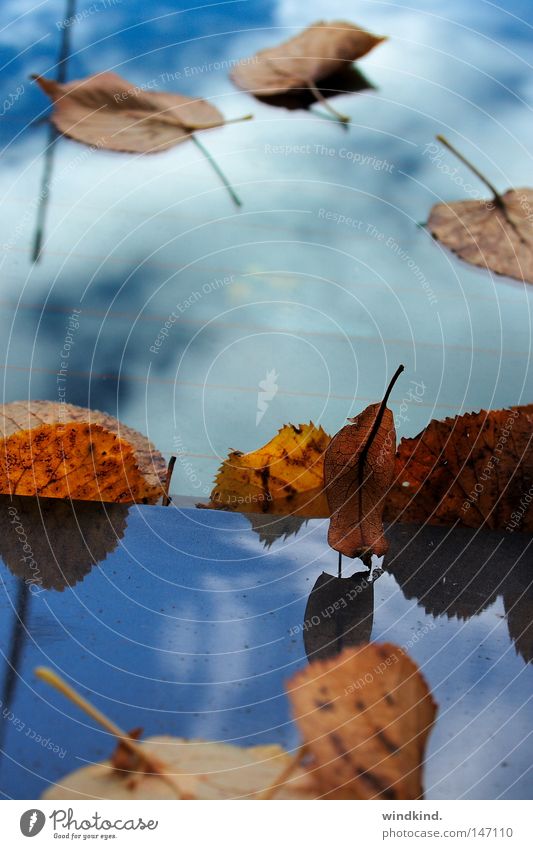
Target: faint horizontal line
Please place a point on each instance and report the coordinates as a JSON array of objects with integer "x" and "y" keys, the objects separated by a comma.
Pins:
[{"x": 215, "y": 386}]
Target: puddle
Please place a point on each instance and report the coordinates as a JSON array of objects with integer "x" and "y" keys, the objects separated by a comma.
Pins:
[{"x": 187, "y": 622}]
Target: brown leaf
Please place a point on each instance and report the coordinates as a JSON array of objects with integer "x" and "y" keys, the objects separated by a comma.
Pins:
[
  {"x": 496, "y": 234},
  {"x": 475, "y": 469},
  {"x": 497, "y": 237},
  {"x": 365, "y": 717},
  {"x": 358, "y": 470},
  {"x": 64, "y": 451},
  {"x": 108, "y": 112},
  {"x": 314, "y": 54}
]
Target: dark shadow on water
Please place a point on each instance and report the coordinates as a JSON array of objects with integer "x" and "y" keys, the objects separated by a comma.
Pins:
[
  {"x": 349, "y": 81},
  {"x": 339, "y": 613},
  {"x": 459, "y": 573},
  {"x": 52, "y": 544}
]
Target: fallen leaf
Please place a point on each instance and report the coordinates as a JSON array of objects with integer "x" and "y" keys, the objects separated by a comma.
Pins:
[
  {"x": 284, "y": 476},
  {"x": 201, "y": 769},
  {"x": 496, "y": 234},
  {"x": 66, "y": 538},
  {"x": 64, "y": 451},
  {"x": 314, "y": 54},
  {"x": 365, "y": 717},
  {"x": 109, "y": 112},
  {"x": 475, "y": 470},
  {"x": 358, "y": 471}
]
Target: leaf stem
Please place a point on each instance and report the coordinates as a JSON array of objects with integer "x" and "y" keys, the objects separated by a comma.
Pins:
[
  {"x": 153, "y": 765},
  {"x": 381, "y": 412},
  {"x": 214, "y": 124},
  {"x": 50, "y": 677},
  {"x": 339, "y": 569},
  {"x": 170, "y": 468},
  {"x": 366, "y": 557},
  {"x": 497, "y": 196},
  {"x": 317, "y": 94},
  {"x": 285, "y": 774},
  {"x": 218, "y": 171}
]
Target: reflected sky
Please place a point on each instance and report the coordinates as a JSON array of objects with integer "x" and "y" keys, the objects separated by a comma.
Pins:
[
  {"x": 189, "y": 625},
  {"x": 324, "y": 275}
]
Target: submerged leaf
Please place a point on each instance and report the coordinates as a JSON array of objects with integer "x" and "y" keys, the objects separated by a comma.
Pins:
[
  {"x": 365, "y": 717},
  {"x": 339, "y": 613},
  {"x": 64, "y": 451}
]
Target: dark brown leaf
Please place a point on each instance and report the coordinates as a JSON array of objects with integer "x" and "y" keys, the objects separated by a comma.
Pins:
[
  {"x": 358, "y": 470},
  {"x": 475, "y": 470}
]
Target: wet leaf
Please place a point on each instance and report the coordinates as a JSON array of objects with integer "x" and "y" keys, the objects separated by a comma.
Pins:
[
  {"x": 64, "y": 451},
  {"x": 65, "y": 538},
  {"x": 495, "y": 234},
  {"x": 358, "y": 471},
  {"x": 475, "y": 470},
  {"x": 109, "y": 112},
  {"x": 365, "y": 717},
  {"x": 284, "y": 476},
  {"x": 314, "y": 54},
  {"x": 200, "y": 769}
]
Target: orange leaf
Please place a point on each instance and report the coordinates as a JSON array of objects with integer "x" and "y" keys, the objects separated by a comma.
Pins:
[
  {"x": 475, "y": 469},
  {"x": 64, "y": 451},
  {"x": 365, "y": 717}
]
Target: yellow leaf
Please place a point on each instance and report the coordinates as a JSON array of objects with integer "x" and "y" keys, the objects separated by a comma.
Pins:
[{"x": 284, "y": 476}]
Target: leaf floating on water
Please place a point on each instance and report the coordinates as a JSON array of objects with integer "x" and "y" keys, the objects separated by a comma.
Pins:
[
  {"x": 496, "y": 234},
  {"x": 284, "y": 476},
  {"x": 64, "y": 451},
  {"x": 109, "y": 112},
  {"x": 365, "y": 717},
  {"x": 358, "y": 471},
  {"x": 475, "y": 470},
  {"x": 172, "y": 767},
  {"x": 313, "y": 55},
  {"x": 203, "y": 770}
]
